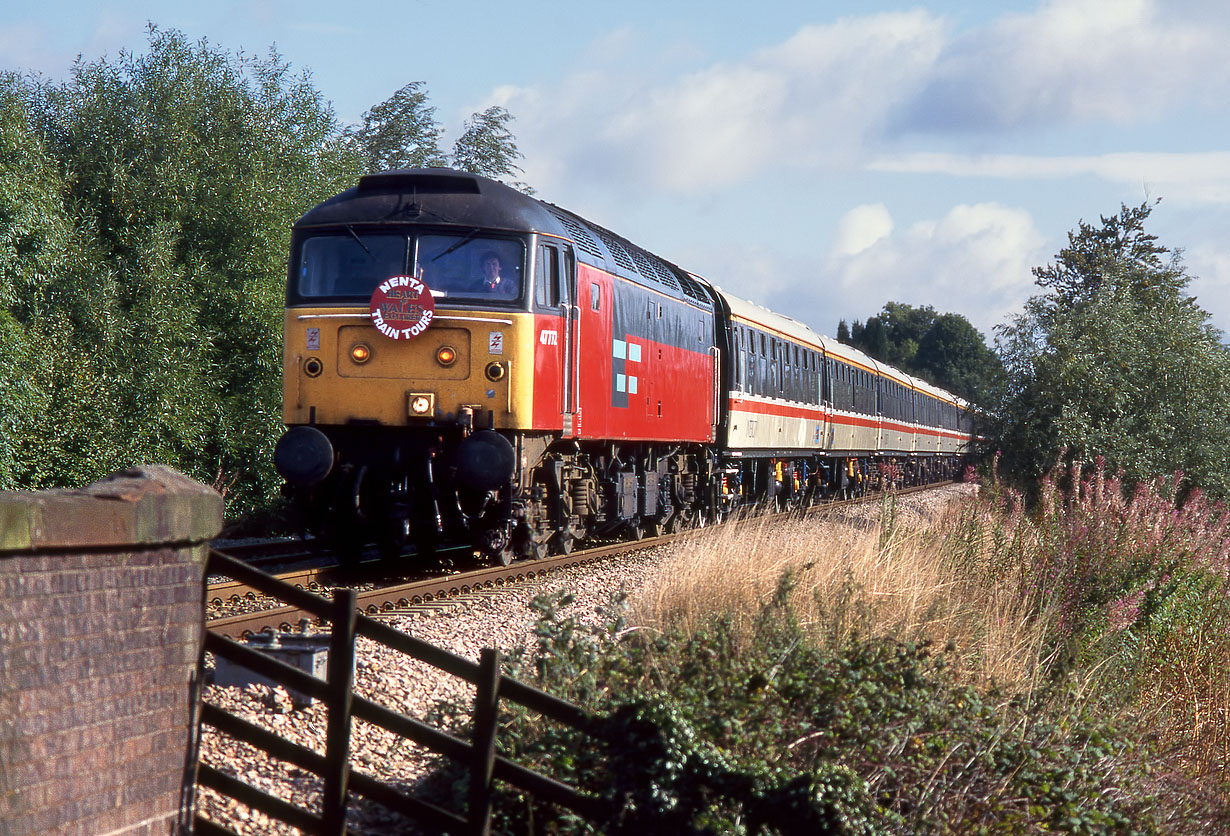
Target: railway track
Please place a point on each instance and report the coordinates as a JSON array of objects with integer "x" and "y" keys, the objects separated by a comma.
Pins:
[{"x": 403, "y": 594}]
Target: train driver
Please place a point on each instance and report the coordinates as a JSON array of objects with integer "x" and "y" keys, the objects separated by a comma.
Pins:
[{"x": 493, "y": 282}]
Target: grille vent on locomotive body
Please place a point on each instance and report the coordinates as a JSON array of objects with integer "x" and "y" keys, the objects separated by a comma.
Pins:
[{"x": 626, "y": 259}]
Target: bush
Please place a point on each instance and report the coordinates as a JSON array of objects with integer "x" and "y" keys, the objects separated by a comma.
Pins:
[
  {"x": 783, "y": 735},
  {"x": 1129, "y": 587}
]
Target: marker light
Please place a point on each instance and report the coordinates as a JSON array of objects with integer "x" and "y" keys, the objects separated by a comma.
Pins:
[
  {"x": 446, "y": 355},
  {"x": 494, "y": 372},
  {"x": 312, "y": 367},
  {"x": 360, "y": 353}
]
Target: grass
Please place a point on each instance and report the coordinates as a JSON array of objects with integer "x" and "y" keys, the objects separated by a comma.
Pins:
[
  {"x": 849, "y": 578},
  {"x": 994, "y": 669}
]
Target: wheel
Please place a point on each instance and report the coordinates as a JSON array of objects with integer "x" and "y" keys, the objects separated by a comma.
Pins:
[
  {"x": 497, "y": 543},
  {"x": 502, "y": 557},
  {"x": 636, "y": 530}
]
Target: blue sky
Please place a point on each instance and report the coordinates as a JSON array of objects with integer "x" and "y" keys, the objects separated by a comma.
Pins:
[{"x": 817, "y": 158}]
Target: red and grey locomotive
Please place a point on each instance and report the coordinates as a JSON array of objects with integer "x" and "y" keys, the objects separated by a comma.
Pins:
[{"x": 466, "y": 363}]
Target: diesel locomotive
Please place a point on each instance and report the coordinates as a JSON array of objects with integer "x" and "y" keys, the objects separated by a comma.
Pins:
[{"x": 464, "y": 363}]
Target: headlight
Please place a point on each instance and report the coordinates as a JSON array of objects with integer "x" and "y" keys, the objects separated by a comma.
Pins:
[
  {"x": 494, "y": 372},
  {"x": 421, "y": 404},
  {"x": 312, "y": 367},
  {"x": 446, "y": 355},
  {"x": 360, "y": 353}
]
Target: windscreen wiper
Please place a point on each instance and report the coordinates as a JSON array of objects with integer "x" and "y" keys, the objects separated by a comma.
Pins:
[
  {"x": 469, "y": 236},
  {"x": 359, "y": 240}
]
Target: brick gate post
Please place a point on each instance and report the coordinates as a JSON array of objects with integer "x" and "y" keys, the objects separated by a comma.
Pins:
[{"x": 101, "y": 622}]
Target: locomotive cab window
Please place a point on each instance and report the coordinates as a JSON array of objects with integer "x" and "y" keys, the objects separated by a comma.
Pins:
[
  {"x": 472, "y": 268},
  {"x": 547, "y": 278},
  {"x": 348, "y": 263}
]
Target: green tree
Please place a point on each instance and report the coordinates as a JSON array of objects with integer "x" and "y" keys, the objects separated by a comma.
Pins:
[
  {"x": 1114, "y": 359},
  {"x": 487, "y": 147},
  {"x": 904, "y": 327},
  {"x": 181, "y": 173},
  {"x": 34, "y": 240},
  {"x": 400, "y": 132},
  {"x": 954, "y": 356},
  {"x": 874, "y": 339}
]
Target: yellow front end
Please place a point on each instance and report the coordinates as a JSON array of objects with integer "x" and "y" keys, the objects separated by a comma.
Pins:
[{"x": 338, "y": 369}]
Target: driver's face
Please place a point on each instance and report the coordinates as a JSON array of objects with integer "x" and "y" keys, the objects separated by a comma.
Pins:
[{"x": 491, "y": 269}]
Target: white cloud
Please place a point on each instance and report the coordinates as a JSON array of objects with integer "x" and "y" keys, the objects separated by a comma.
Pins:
[
  {"x": 1198, "y": 176},
  {"x": 1075, "y": 61},
  {"x": 861, "y": 228},
  {"x": 809, "y": 101},
  {"x": 976, "y": 261},
  {"x": 833, "y": 95}
]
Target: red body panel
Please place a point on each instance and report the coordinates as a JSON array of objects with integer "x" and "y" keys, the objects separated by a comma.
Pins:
[
  {"x": 549, "y": 346},
  {"x": 663, "y": 393}
]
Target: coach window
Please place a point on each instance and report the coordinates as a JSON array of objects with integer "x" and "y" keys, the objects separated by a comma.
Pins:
[
  {"x": 787, "y": 370},
  {"x": 795, "y": 372},
  {"x": 813, "y": 379},
  {"x": 753, "y": 364},
  {"x": 595, "y": 297}
]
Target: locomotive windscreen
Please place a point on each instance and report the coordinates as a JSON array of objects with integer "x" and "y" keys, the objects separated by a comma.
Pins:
[
  {"x": 466, "y": 267},
  {"x": 349, "y": 264},
  {"x": 471, "y": 266}
]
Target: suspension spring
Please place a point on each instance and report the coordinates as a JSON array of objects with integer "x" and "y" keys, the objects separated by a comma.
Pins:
[{"x": 580, "y": 498}]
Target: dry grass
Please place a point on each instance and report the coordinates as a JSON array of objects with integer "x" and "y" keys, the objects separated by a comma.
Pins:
[
  {"x": 851, "y": 573},
  {"x": 966, "y": 574}
]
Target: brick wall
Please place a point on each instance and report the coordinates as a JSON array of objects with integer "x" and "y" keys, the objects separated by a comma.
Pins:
[{"x": 100, "y": 629}]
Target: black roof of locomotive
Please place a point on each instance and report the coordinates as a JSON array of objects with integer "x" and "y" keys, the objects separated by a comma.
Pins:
[{"x": 444, "y": 197}]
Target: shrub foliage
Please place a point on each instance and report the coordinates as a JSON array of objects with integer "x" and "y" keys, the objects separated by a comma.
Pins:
[{"x": 1114, "y": 358}]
